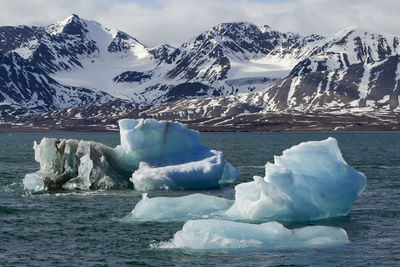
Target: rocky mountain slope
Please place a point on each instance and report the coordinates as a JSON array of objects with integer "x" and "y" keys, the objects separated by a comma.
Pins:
[
  {"x": 349, "y": 70},
  {"x": 208, "y": 114}
]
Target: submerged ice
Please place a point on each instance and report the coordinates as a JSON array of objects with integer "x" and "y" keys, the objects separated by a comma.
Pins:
[
  {"x": 220, "y": 234},
  {"x": 309, "y": 181},
  {"x": 152, "y": 155},
  {"x": 178, "y": 208}
]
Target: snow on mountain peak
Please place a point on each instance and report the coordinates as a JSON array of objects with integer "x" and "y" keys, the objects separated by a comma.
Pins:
[
  {"x": 235, "y": 24},
  {"x": 265, "y": 28},
  {"x": 232, "y": 29},
  {"x": 361, "y": 45},
  {"x": 72, "y": 24}
]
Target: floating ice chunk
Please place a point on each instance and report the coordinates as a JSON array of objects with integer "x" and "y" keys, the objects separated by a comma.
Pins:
[
  {"x": 155, "y": 155},
  {"x": 220, "y": 234},
  {"x": 309, "y": 181},
  {"x": 165, "y": 155},
  {"x": 73, "y": 164},
  {"x": 178, "y": 208}
]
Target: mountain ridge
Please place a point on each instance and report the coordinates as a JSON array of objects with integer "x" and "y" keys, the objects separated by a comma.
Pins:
[{"x": 253, "y": 69}]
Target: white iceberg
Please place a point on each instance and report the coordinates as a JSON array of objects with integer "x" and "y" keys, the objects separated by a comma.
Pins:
[
  {"x": 220, "y": 234},
  {"x": 152, "y": 155},
  {"x": 178, "y": 208},
  {"x": 310, "y": 181}
]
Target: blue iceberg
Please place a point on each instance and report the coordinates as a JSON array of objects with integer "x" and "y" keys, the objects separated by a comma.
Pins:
[
  {"x": 165, "y": 155},
  {"x": 310, "y": 181}
]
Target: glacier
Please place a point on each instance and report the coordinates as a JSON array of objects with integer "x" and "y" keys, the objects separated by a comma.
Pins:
[
  {"x": 152, "y": 155},
  {"x": 221, "y": 234},
  {"x": 310, "y": 181}
]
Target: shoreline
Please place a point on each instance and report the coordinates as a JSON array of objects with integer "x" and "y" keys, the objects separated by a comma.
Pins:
[{"x": 13, "y": 129}]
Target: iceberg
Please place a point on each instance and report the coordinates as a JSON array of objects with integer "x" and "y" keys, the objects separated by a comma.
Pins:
[
  {"x": 73, "y": 164},
  {"x": 220, "y": 234},
  {"x": 152, "y": 155},
  {"x": 178, "y": 208},
  {"x": 165, "y": 155},
  {"x": 310, "y": 181}
]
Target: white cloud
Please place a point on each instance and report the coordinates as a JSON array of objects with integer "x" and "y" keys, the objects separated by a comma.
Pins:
[{"x": 174, "y": 21}]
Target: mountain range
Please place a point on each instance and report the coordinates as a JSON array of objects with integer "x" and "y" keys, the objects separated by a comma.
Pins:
[{"x": 231, "y": 70}]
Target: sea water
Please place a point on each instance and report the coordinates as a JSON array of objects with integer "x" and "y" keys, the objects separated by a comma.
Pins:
[{"x": 88, "y": 228}]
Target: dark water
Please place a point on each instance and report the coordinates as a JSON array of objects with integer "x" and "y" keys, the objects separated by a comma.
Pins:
[{"x": 84, "y": 228}]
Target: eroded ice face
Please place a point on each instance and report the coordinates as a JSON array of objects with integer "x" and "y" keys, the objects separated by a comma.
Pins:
[
  {"x": 74, "y": 165},
  {"x": 221, "y": 234}
]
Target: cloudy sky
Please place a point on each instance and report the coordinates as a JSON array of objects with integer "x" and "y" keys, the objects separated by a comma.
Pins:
[{"x": 173, "y": 21}]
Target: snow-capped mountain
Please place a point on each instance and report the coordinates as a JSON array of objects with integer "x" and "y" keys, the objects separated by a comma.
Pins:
[
  {"x": 349, "y": 70},
  {"x": 58, "y": 47},
  {"x": 232, "y": 58},
  {"x": 229, "y": 58},
  {"x": 234, "y": 64},
  {"x": 23, "y": 85}
]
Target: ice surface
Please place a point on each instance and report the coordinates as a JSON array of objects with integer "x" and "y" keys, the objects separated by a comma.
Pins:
[
  {"x": 34, "y": 182},
  {"x": 220, "y": 234},
  {"x": 309, "y": 181},
  {"x": 82, "y": 182},
  {"x": 72, "y": 164},
  {"x": 159, "y": 142},
  {"x": 170, "y": 157},
  {"x": 153, "y": 155},
  {"x": 178, "y": 208},
  {"x": 202, "y": 174}
]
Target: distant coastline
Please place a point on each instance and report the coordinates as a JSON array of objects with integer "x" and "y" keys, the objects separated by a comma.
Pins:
[{"x": 7, "y": 128}]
